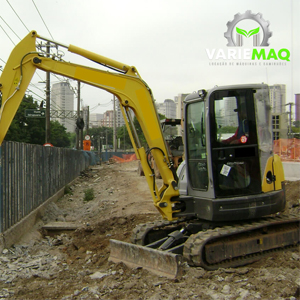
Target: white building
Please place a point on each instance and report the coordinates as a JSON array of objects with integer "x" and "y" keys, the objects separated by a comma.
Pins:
[
  {"x": 119, "y": 116},
  {"x": 62, "y": 102},
  {"x": 167, "y": 108},
  {"x": 95, "y": 120},
  {"x": 179, "y": 105},
  {"x": 278, "y": 98}
]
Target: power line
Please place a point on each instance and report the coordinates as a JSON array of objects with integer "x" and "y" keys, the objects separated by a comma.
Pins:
[
  {"x": 10, "y": 28},
  {"x": 35, "y": 93},
  {"x": 32, "y": 84},
  {"x": 42, "y": 19},
  {"x": 7, "y": 35},
  {"x": 17, "y": 15},
  {"x": 12, "y": 40}
]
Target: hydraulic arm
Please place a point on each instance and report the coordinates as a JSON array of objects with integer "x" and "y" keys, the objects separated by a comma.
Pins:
[{"x": 125, "y": 83}]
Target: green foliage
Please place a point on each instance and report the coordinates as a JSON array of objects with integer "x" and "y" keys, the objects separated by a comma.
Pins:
[
  {"x": 67, "y": 190},
  {"x": 26, "y": 130},
  {"x": 227, "y": 129},
  {"x": 296, "y": 129},
  {"x": 88, "y": 194},
  {"x": 140, "y": 132},
  {"x": 72, "y": 138},
  {"x": 98, "y": 132},
  {"x": 32, "y": 130},
  {"x": 58, "y": 135},
  {"x": 122, "y": 134},
  {"x": 161, "y": 117},
  {"x": 296, "y": 124}
]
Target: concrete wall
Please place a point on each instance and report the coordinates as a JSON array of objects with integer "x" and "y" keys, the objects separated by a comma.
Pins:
[{"x": 291, "y": 170}]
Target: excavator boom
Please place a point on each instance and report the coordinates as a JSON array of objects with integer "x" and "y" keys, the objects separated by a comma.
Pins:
[{"x": 126, "y": 84}]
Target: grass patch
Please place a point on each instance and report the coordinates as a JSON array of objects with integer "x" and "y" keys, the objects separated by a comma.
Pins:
[
  {"x": 68, "y": 190},
  {"x": 88, "y": 194}
]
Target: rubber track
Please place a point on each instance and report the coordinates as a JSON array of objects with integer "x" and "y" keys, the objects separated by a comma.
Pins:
[
  {"x": 140, "y": 231},
  {"x": 194, "y": 246}
]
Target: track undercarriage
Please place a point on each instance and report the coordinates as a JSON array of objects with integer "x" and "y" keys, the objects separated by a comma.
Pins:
[{"x": 163, "y": 246}]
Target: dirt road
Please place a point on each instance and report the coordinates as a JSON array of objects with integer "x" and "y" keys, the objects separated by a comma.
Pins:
[{"x": 74, "y": 264}]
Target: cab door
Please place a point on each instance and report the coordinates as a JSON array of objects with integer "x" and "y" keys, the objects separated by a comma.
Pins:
[
  {"x": 196, "y": 154},
  {"x": 234, "y": 147}
]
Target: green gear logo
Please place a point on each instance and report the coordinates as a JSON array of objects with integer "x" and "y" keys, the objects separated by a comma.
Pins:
[{"x": 264, "y": 25}]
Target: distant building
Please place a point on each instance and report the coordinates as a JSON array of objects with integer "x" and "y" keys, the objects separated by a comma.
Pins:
[
  {"x": 278, "y": 98},
  {"x": 297, "y": 107},
  {"x": 62, "y": 100},
  {"x": 279, "y": 126},
  {"x": 179, "y": 105},
  {"x": 167, "y": 108},
  {"x": 108, "y": 119},
  {"x": 95, "y": 120},
  {"x": 119, "y": 116},
  {"x": 279, "y": 116}
]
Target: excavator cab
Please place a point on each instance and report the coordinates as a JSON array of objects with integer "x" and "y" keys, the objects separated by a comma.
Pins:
[{"x": 230, "y": 167}]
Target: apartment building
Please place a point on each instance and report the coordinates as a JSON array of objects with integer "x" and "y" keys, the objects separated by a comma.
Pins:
[{"x": 62, "y": 103}]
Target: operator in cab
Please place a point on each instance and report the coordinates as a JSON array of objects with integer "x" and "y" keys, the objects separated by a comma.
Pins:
[{"x": 242, "y": 133}]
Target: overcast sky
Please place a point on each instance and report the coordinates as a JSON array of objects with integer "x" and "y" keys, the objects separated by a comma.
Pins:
[{"x": 166, "y": 40}]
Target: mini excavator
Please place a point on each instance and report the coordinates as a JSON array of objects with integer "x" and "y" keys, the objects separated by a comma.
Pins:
[{"x": 223, "y": 207}]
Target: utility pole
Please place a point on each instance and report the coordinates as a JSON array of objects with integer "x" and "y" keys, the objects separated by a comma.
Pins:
[
  {"x": 115, "y": 127},
  {"x": 78, "y": 147},
  {"x": 124, "y": 136},
  {"x": 87, "y": 120},
  {"x": 106, "y": 154},
  {"x": 47, "y": 138},
  {"x": 290, "y": 119},
  {"x": 81, "y": 131}
]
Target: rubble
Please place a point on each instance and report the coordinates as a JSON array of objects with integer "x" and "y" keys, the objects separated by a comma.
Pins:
[{"x": 73, "y": 265}]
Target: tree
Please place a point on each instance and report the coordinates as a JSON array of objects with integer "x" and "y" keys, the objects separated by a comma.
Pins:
[
  {"x": 58, "y": 135},
  {"x": 297, "y": 123},
  {"x": 122, "y": 134},
  {"x": 26, "y": 130},
  {"x": 72, "y": 139},
  {"x": 140, "y": 132},
  {"x": 227, "y": 129},
  {"x": 101, "y": 132},
  {"x": 32, "y": 130}
]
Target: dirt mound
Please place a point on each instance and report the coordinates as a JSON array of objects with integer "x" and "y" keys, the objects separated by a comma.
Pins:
[
  {"x": 292, "y": 189},
  {"x": 96, "y": 237}
]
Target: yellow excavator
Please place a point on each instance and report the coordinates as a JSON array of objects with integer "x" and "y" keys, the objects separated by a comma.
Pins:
[{"x": 222, "y": 206}]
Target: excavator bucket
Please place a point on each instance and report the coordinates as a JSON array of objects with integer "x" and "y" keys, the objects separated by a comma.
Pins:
[{"x": 158, "y": 262}]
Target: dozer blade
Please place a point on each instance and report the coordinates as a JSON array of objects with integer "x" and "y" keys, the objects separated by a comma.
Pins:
[{"x": 158, "y": 262}]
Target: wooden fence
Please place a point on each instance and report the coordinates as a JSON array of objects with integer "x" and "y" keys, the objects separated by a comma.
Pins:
[{"x": 30, "y": 174}]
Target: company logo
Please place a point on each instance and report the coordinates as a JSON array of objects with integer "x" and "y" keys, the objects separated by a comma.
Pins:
[
  {"x": 240, "y": 30},
  {"x": 255, "y": 33}
]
